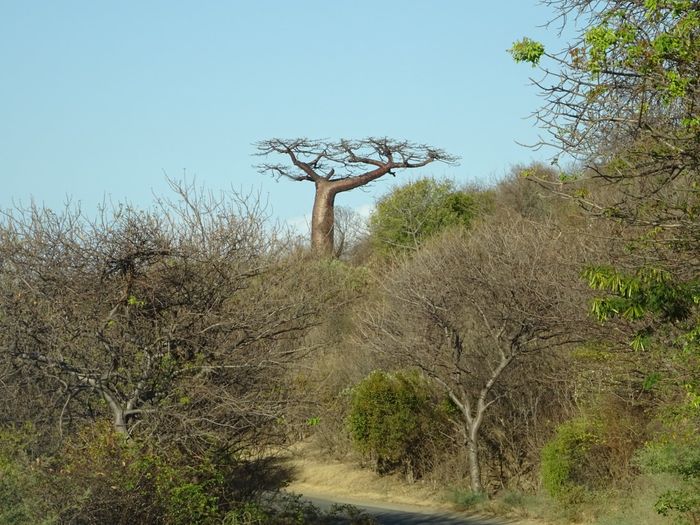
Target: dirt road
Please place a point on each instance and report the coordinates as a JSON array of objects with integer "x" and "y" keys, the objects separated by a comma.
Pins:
[
  {"x": 325, "y": 481},
  {"x": 390, "y": 514}
]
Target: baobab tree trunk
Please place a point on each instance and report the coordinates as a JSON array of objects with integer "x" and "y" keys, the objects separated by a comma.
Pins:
[{"x": 322, "y": 219}]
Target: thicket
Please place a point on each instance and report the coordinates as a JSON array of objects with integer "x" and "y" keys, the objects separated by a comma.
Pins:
[
  {"x": 98, "y": 476},
  {"x": 494, "y": 312},
  {"x": 157, "y": 347}
]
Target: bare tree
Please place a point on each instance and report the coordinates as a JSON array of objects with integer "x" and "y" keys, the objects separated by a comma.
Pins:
[
  {"x": 335, "y": 167},
  {"x": 350, "y": 230},
  {"x": 469, "y": 307},
  {"x": 182, "y": 316}
]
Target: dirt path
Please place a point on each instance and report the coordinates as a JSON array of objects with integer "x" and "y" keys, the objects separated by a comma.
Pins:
[
  {"x": 393, "y": 514},
  {"x": 325, "y": 481}
]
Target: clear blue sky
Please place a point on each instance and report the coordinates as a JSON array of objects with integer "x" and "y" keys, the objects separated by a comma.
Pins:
[{"x": 102, "y": 98}]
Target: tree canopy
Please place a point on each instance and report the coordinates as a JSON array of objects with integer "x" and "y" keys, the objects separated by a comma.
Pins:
[{"x": 623, "y": 100}]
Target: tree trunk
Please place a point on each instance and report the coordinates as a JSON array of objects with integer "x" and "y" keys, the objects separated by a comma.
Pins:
[
  {"x": 120, "y": 424},
  {"x": 474, "y": 466},
  {"x": 118, "y": 416},
  {"x": 322, "y": 220},
  {"x": 472, "y": 423}
]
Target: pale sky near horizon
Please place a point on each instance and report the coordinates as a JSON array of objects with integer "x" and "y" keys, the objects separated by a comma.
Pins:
[{"x": 102, "y": 99}]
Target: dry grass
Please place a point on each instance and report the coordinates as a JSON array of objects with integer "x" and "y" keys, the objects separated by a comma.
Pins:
[
  {"x": 319, "y": 474},
  {"x": 316, "y": 474}
]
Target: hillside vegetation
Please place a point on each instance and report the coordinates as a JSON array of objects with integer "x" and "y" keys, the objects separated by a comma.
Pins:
[{"x": 530, "y": 347}]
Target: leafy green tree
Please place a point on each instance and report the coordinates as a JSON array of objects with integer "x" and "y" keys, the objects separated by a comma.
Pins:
[
  {"x": 663, "y": 312},
  {"x": 414, "y": 212},
  {"x": 622, "y": 99}
]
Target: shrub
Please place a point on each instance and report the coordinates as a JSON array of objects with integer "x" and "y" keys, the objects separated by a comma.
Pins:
[
  {"x": 142, "y": 481},
  {"x": 679, "y": 457},
  {"x": 565, "y": 460},
  {"x": 291, "y": 509},
  {"x": 393, "y": 417},
  {"x": 466, "y": 499},
  {"x": 100, "y": 476}
]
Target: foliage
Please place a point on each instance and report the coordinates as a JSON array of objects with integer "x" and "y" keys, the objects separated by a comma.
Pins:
[
  {"x": 416, "y": 211},
  {"x": 565, "y": 460},
  {"x": 99, "y": 477},
  {"x": 291, "y": 509},
  {"x": 466, "y": 499},
  {"x": 623, "y": 102},
  {"x": 677, "y": 452},
  {"x": 127, "y": 481},
  {"x": 663, "y": 311},
  {"x": 22, "y": 485},
  {"x": 341, "y": 277},
  {"x": 646, "y": 291},
  {"x": 631, "y": 59},
  {"x": 392, "y": 416},
  {"x": 527, "y": 50}
]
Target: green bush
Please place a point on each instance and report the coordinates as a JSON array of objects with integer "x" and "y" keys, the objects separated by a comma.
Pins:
[
  {"x": 100, "y": 477},
  {"x": 292, "y": 509},
  {"x": 412, "y": 213},
  {"x": 393, "y": 417},
  {"x": 566, "y": 460},
  {"x": 678, "y": 456}
]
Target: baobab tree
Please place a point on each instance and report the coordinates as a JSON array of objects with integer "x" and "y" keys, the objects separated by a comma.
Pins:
[{"x": 335, "y": 167}]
